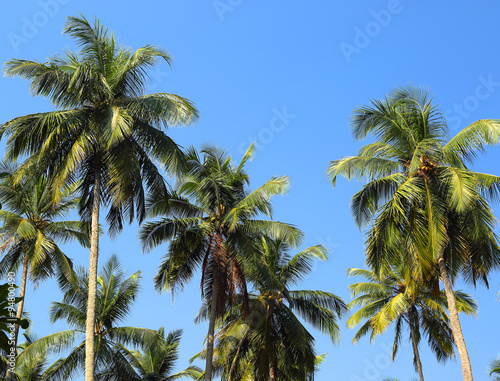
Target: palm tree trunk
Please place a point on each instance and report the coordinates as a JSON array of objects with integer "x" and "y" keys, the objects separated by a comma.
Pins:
[
  {"x": 20, "y": 306},
  {"x": 94, "y": 254},
  {"x": 211, "y": 326},
  {"x": 454, "y": 321},
  {"x": 416, "y": 354}
]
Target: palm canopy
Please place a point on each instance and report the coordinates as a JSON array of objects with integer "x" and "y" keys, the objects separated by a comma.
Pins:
[
  {"x": 211, "y": 221},
  {"x": 419, "y": 182},
  {"x": 105, "y": 125},
  {"x": 421, "y": 195},
  {"x": 115, "y": 298},
  {"x": 154, "y": 361},
  {"x": 395, "y": 298},
  {"x": 272, "y": 338},
  {"x": 32, "y": 226},
  {"x": 278, "y": 271},
  {"x": 234, "y": 359}
]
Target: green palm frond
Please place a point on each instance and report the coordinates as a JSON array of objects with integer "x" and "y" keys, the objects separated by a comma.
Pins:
[
  {"x": 362, "y": 168},
  {"x": 394, "y": 298},
  {"x": 116, "y": 294},
  {"x": 271, "y": 333},
  {"x": 495, "y": 369},
  {"x": 54, "y": 343},
  {"x": 301, "y": 264},
  {"x": 474, "y": 138},
  {"x": 258, "y": 201}
]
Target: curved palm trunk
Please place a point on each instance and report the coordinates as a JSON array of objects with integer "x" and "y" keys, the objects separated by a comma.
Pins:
[
  {"x": 20, "y": 306},
  {"x": 416, "y": 354},
  {"x": 94, "y": 253},
  {"x": 211, "y": 327},
  {"x": 454, "y": 321}
]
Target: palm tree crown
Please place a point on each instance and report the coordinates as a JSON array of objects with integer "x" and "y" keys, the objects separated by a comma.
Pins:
[
  {"x": 115, "y": 298},
  {"x": 271, "y": 342},
  {"x": 211, "y": 222},
  {"x": 412, "y": 167},
  {"x": 105, "y": 124},
  {"x": 155, "y": 361},
  {"x": 422, "y": 196},
  {"x": 32, "y": 228},
  {"x": 396, "y": 298}
]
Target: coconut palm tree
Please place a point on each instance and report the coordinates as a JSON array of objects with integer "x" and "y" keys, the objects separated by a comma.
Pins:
[
  {"x": 271, "y": 343},
  {"x": 396, "y": 298},
  {"x": 115, "y": 297},
  {"x": 234, "y": 361},
  {"x": 155, "y": 361},
  {"x": 421, "y": 195},
  {"x": 32, "y": 226},
  {"x": 105, "y": 131},
  {"x": 210, "y": 221}
]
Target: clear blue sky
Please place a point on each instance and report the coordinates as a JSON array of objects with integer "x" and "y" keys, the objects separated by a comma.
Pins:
[{"x": 244, "y": 63}]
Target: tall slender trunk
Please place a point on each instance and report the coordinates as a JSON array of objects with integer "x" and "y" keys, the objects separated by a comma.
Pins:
[
  {"x": 20, "y": 306},
  {"x": 416, "y": 354},
  {"x": 94, "y": 254},
  {"x": 454, "y": 321},
  {"x": 211, "y": 326}
]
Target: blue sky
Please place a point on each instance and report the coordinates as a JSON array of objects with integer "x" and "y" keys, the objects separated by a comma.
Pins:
[{"x": 286, "y": 75}]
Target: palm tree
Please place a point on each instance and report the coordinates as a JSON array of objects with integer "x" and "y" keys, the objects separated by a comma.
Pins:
[
  {"x": 155, "y": 362},
  {"x": 210, "y": 222},
  {"x": 115, "y": 297},
  {"x": 31, "y": 227},
  {"x": 272, "y": 341},
  {"x": 396, "y": 298},
  {"x": 105, "y": 131},
  {"x": 234, "y": 361},
  {"x": 421, "y": 195}
]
